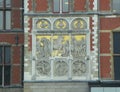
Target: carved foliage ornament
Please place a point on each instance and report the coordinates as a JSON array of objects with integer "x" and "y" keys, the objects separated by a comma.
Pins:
[
  {"x": 60, "y": 24},
  {"x": 79, "y": 67},
  {"x": 43, "y": 24},
  {"x": 78, "y": 24}
]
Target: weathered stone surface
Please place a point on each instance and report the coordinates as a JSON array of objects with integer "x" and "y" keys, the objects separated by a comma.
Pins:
[{"x": 56, "y": 87}]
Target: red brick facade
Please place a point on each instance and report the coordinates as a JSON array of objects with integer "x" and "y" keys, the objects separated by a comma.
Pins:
[
  {"x": 14, "y": 37},
  {"x": 109, "y": 23},
  {"x": 44, "y": 5},
  {"x": 41, "y": 5},
  {"x": 17, "y": 3},
  {"x": 105, "y": 67},
  {"x": 105, "y": 43},
  {"x": 16, "y": 14},
  {"x": 16, "y": 54},
  {"x": 105, "y": 5},
  {"x": 80, "y": 5},
  {"x": 10, "y": 38},
  {"x": 107, "y": 26},
  {"x": 16, "y": 76}
]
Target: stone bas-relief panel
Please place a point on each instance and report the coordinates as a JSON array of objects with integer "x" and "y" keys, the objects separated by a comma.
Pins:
[
  {"x": 60, "y": 67},
  {"x": 61, "y": 55},
  {"x": 78, "y": 46},
  {"x": 43, "y": 46},
  {"x": 79, "y": 67},
  {"x": 43, "y": 67},
  {"x": 60, "y": 46}
]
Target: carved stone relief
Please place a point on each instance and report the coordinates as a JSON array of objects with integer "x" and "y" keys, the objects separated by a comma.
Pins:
[
  {"x": 43, "y": 24},
  {"x": 78, "y": 24},
  {"x": 59, "y": 53},
  {"x": 79, "y": 67},
  {"x": 78, "y": 46},
  {"x": 43, "y": 47},
  {"x": 60, "y": 68},
  {"x": 60, "y": 46},
  {"x": 43, "y": 67},
  {"x": 61, "y": 24}
]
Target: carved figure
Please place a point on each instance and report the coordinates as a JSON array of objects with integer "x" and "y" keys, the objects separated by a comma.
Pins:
[
  {"x": 43, "y": 47},
  {"x": 61, "y": 47},
  {"x": 61, "y": 68},
  {"x": 43, "y": 68},
  {"x": 78, "y": 48}
]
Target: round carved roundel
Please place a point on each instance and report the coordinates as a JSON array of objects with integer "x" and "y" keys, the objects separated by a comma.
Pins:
[
  {"x": 60, "y": 24},
  {"x": 43, "y": 68},
  {"x": 78, "y": 24},
  {"x": 43, "y": 24},
  {"x": 79, "y": 68}
]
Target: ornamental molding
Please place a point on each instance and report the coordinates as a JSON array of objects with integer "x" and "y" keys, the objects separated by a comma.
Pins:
[{"x": 60, "y": 23}]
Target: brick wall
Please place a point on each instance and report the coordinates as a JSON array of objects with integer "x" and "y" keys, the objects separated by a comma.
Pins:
[
  {"x": 109, "y": 23},
  {"x": 16, "y": 65},
  {"x": 16, "y": 60},
  {"x": 16, "y": 14},
  {"x": 104, "y": 42},
  {"x": 16, "y": 19},
  {"x": 80, "y": 5},
  {"x": 104, "y": 5},
  {"x": 105, "y": 58},
  {"x": 107, "y": 26},
  {"x": 10, "y": 38},
  {"x": 16, "y": 75},
  {"x": 105, "y": 67},
  {"x": 41, "y": 5},
  {"x": 17, "y": 3}
]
